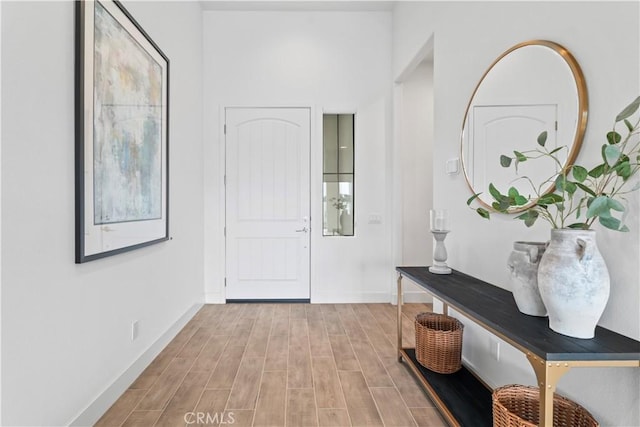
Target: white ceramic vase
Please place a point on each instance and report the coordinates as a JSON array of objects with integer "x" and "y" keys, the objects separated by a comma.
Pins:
[
  {"x": 523, "y": 265},
  {"x": 346, "y": 226},
  {"x": 574, "y": 282}
]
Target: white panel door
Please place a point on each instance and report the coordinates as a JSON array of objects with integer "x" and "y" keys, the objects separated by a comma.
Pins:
[
  {"x": 502, "y": 129},
  {"x": 267, "y": 203}
]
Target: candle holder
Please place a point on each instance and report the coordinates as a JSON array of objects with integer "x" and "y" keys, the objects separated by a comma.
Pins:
[{"x": 439, "y": 221}]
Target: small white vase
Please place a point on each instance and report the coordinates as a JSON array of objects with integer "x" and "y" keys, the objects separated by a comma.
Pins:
[
  {"x": 574, "y": 282},
  {"x": 523, "y": 264},
  {"x": 346, "y": 226}
]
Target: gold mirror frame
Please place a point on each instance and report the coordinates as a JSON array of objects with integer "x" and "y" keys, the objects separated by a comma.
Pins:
[{"x": 581, "y": 122}]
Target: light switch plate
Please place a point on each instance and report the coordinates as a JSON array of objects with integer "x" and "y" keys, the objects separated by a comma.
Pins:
[
  {"x": 375, "y": 218},
  {"x": 453, "y": 166}
]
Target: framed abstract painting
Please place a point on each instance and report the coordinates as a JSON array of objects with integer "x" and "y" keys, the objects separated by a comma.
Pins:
[{"x": 122, "y": 133}]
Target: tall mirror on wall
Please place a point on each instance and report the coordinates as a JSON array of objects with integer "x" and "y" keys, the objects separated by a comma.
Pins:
[
  {"x": 533, "y": 87},
  {"x": 338, "y": 174}
]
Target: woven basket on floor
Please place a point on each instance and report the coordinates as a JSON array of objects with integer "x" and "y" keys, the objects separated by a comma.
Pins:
[
  {"x": 439, "y": 342},
  {"x": 518, "y": 406}
]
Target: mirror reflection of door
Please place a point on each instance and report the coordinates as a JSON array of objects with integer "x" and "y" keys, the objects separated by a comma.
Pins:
[
  {"x": 503, "y": 129},
  {"x": 267, "y": 203},
  {"x": 534, "y": 86}
]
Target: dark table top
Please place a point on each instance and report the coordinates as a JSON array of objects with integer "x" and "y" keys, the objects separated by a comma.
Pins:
[{"x": 496, "y": 309}]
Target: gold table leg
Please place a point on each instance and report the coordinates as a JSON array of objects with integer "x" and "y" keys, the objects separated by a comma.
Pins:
[
  {"x": 399, "y": 320},
  {"x": 548, "y": 374}
]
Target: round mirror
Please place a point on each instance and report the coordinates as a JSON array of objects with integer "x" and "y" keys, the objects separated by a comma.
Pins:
[{"x": 533, "y": 87}]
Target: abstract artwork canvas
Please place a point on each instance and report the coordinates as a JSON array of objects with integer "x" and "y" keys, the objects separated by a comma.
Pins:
[{"x": 121, "y": 133}]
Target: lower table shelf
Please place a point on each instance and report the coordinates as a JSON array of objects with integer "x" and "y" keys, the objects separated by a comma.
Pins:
[{"x": 460, "y": 397}]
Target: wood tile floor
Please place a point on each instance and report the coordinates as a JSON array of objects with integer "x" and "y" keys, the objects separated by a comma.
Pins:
[{"x": 292, "y": 365}]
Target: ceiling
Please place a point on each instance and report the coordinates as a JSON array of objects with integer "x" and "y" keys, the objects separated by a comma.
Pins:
[{"x": 298, "y": 5}]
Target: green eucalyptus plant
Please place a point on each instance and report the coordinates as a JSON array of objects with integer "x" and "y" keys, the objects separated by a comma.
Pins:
[{"x": 577, "y": 196}]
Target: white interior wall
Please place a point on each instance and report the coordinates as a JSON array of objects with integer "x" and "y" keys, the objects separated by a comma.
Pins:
[
  {"x": 66, "y": 328},
  {"x": 415, "y": 149},
  {"x": 329, "y": 61},
  {"x": 460, "y": 58}
]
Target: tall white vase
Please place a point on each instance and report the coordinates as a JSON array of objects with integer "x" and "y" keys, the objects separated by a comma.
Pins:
[
  {"x": 523, "y": 265},
  {"x": 574, "y": 282}
]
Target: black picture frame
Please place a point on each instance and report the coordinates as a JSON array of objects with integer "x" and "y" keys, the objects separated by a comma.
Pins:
[{"x": 121, "y": 133}]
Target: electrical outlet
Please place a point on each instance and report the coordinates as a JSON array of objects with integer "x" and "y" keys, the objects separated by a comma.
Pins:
[
  {"x": 495, "y": 349},
  {"x": 134, "y": 330}
]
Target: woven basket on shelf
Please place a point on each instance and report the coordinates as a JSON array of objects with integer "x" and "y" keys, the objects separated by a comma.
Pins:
[
  {"x": 518, "y": 406},
  {"x": 439, "y": 342}
]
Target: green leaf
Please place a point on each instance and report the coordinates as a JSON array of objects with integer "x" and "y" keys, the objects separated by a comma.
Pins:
[
  {"x": 505, "y": 161},
  {"x": 542, "y": 138},
  {"x": 513, "y": 192},
  {"x": 623, "y": 170},
  {"x": 579, "y": 173},
  {"x": 597, "y": 171},
  {"x": 483, "y": 213},
  {"x": 628, "y": 110},
  {"x": 586, "y": 189},
  {"x": 611, "y": 154},
  {"x": 629, "y": 125},
  {"x": 556, "y": 150},
  {"x": 529, "y": 217},
  {"x": 614, "y": 137},
  {"x": 521, "y": 200},
  {"x": 495, "y": 193},
  {"x": 598, "y": 206},
  {"x": 521, "y": 157},
  {"x": 501, "y": 205},
  {"x": 615, "y": 205},
  {"x": 550, "y": 199},
  {"x": 564, "y": 185},
  {"x": 579, "y": 225},
  {"x": 504, "y": 205},
  {"x": 610, "y": 222},
  {"x": 472, "y": 198},
  {"x": 560, "y": 183}
]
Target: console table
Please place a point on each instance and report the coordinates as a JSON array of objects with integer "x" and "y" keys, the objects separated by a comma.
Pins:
[{"x": 461, "y": 397}]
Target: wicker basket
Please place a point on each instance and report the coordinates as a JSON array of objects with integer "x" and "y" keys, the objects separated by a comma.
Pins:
[
  {"x": 439, "y": 342},
  {"x": 518, "y": 406}
]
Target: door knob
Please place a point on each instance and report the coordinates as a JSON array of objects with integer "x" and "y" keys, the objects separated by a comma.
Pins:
[{"x": 304, "y": 230}]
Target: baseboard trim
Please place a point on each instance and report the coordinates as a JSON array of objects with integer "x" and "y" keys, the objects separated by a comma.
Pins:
[
  {"x": 318, "y": 297},
  {"x": 412, "y": 296},
  {"x": 99, "y": 406},
  {"x": 368, "y": 297},
  {"x": 269, "y": 301}
]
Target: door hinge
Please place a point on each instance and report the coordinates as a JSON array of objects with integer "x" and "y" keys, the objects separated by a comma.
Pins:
[
  {"x": 225, "y": 231},
  {"x": 556, "y": 125},
  {"x": 225, "y": 282},
  {"x": 225, "y": 180},
  {"x": 225, "y": 128}
]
